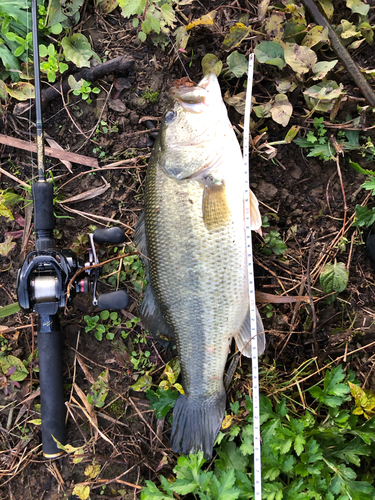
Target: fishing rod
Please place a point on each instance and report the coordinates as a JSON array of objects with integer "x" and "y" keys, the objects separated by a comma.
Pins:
[{"x": 43, "y": 280}]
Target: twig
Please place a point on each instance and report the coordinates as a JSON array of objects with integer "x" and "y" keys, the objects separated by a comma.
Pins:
[
  {"x": 52, "y": 152},
  {"x": 308, "y": 289},
  {"x": 94, "y": 216}
]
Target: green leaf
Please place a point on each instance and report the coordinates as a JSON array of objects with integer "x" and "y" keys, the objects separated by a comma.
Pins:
[
  {"x": 56, "y": 29},
  {"x": 3, "y": 91},
  {"x": 270, "y": 53},
  {"x": 316, "y": 35},
  {"x": 223, "y": 489},
  {"x": 9, "y": 61},
  {"x": 230, "y": 457},
  {"x": 321, "y": 68},
  {"x": 235, "y": 36},
  {"x": 142, "y": 36},
  {"x": 364, "y": 216},
  {"x": 300, "y": 58},
  {"x": 334, "y": 277},
  {"x": 77, "y": 49},
  {"x": 327, "y": 7},
  {"x": 104, "y": 315},
  {"x": 370, "y": 185},
  {"x": 143, "y": 383},
  {"x": 334, "y": 393},
  {"x": 189, "y": 476},
  {"x": 358, "y": 7},
  {"x": 168, "y": 13},
  {"x": 151, "y": 492},
  {"x": 22, "y": 91},
  {"x": 7, "y": 362},
  {"x": 9, "y": 310},
  {"x": 162, "y": 401},
  {"x": 237, "y": 63},
  {"x": 211, "y": 64}
]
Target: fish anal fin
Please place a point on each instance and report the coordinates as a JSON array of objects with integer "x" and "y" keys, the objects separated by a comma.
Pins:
[
  {"x": 244, "y": 335},
  {"x": 154, "y": 321},
  {"x": 216, "y": 211}
]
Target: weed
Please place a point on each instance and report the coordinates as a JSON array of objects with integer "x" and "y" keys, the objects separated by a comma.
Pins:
[
  {"x": 150, "y": 95},
  {"x": 273, "y": 243},
  {"x": 155, "y": 18},
  {"x": 269, "y": 310},
  {"x": 99, "y": 329},
  {"x": 99, "y": 390},
  {"x": 333, "y": 278},
  {"x": 82, "y": 88},
  {"x": 126, "y": 268},
  {"x": 99, "y": 151},
  {"x": 54, "y": 63},
  {"x": 321, "y": 454},
  {"x": 105, "y": 128}
]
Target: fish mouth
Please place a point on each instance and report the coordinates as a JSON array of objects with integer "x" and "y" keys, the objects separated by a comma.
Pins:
[{"x": 194, "y": 98}]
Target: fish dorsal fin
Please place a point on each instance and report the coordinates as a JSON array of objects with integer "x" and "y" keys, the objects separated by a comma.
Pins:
[
  {"x": 216, "y": 211},
  {"x": 244, "y": 335}
]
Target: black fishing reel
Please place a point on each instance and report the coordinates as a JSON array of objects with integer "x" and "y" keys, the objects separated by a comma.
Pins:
[
  {"x": 45, "y": 274},
  {"x": 42, "y": 287}
]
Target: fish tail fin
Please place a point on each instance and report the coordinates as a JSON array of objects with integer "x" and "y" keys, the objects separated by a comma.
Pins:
[{"x": 196, "y": 424}]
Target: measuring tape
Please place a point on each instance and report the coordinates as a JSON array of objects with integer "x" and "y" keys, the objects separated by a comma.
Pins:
[{"x": 250, "y": 270}]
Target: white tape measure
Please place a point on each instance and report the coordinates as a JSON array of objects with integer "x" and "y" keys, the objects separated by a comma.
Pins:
[{"x": 250, "y": 268}]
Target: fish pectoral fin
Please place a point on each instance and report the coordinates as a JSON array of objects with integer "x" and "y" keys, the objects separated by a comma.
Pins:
[
  {"x": 255, "y": 217},
  {"x": 244, "y": 335},
  {"x": 196, "y": 423},
  {"x": 139, "y": 236},
  {"x": 154, "y": 321},
  {"x": 216, "y": 211}
]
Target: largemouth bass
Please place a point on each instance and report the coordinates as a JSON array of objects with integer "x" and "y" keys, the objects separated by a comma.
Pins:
[{"x": 193, "y": 235}]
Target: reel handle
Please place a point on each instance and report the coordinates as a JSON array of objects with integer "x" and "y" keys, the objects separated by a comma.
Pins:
[
  {"x": 113, "y": 300},
  {"x": 51, "y": 384},
  {"x": 113, "y": 235}
]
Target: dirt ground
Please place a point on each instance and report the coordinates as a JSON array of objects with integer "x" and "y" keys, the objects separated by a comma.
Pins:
[{"x": 301, "y": 196}]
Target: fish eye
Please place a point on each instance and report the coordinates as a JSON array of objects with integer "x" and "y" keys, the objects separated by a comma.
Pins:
[{"x": 169, "y": 116}]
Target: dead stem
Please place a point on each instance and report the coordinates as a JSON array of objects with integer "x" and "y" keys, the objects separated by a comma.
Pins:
[{"x": 308, "y": 289}]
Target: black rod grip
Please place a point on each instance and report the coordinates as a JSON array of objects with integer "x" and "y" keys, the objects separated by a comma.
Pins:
[
  {"x": 43, "y": 206},
  {"x": 51, "y": 385},
  {"x": 114, "y": 300},
  {"x": 109, "y": 235}
]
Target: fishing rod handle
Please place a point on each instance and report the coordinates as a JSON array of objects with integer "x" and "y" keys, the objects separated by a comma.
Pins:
[
  {"x": 44, "y": 219},
  {"x": 51, "y": 384},
  {"x": 113, "y": 235}
]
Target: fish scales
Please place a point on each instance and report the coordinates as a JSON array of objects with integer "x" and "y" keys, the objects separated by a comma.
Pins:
[{"x": 195, "y": 244}]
